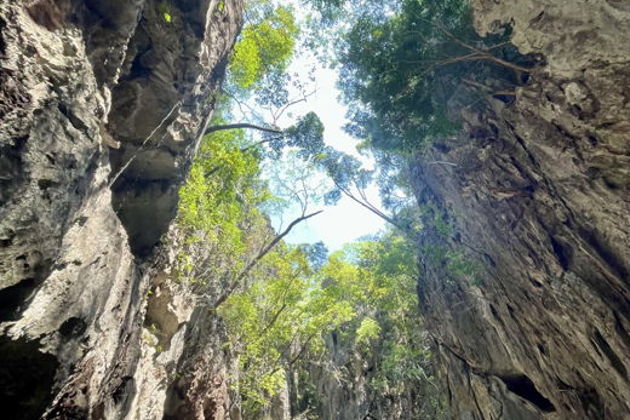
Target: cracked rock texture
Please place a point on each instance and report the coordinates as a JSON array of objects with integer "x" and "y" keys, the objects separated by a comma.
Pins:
[
  {"x": 102, "y": 103},
  {"x": 539, "y": 203}
]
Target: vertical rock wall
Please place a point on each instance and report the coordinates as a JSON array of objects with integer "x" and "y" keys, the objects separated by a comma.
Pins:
[
  {"x": 102, "y": 104},
  {"x": 538, "y": 200}
]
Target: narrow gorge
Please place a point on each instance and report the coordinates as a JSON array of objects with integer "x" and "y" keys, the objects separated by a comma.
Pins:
[{"x": 143, "y": 274}]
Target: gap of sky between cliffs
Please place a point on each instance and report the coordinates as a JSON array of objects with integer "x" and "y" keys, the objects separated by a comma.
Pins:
[{"x": 346, "y": 221}]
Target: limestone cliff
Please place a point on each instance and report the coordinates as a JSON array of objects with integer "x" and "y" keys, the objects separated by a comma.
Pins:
[
  {"x": 536, "y": 325},
  {"x": 102, "y": 104},
  {"x": 526, "y": 277}
]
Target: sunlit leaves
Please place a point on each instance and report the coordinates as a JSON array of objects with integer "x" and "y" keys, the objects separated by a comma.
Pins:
[
  {"x": 282, "y": 314},
  {"x": 379, "y": 276},
  {"x": 246, "y": 66},
  {"x": 265, "y": 45},
  {"x": 368, "y": 330},
  {"x": 364, "y": 295},
  {"x": 219, "y": 202},
  {"x": 165, "y": 10}
]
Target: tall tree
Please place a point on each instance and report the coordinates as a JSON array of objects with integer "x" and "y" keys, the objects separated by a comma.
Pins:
[{"x": 406, "y": 71}]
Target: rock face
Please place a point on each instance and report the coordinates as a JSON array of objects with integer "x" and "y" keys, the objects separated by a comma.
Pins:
[
  {"x": 342, "y": 386},
  {"x": 102, "y": 104},
  {"x": 537, "y": 324}
]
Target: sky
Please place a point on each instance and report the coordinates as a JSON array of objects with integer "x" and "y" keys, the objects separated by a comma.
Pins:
[{"x": 347, "y": 221}]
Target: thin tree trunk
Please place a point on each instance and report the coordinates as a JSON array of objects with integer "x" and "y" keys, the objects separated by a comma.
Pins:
[
  {"x": 235, "y": 126},
  {"x": 369, "y": 207},
  {"x": 260, "y": 256}
]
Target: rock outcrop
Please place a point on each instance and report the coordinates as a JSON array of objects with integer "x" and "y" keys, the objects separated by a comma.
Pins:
[
  {"x": 536, "y": 323},
  {"x": 102, "y": 104}
]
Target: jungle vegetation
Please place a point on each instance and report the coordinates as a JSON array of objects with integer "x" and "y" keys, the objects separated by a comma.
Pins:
[{"x": 406, "y": 70}]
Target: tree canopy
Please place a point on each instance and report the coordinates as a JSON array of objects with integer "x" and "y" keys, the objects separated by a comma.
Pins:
[
  {"x": 406, "y": 70},
  {"x": 364, "y": 295},
  {"x": 265, "y": 45}
]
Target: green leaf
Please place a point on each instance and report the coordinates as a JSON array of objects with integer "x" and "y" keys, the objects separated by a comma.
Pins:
[{"x": 368, "y": 330}]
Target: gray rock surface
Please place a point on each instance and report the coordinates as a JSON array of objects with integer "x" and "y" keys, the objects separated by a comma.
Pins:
[
  {"x": 102, "y": 104},
  {"x": 539, "y": 204}
]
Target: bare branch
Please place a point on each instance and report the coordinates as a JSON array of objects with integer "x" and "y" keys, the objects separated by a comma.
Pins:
[
  {"x": 291, "y": 103},
  {"x": 368, "y": 206},
  {"x": 260, "y": 143},
  {"x": 261, "y": 255},
  {"x": 242, "y": 104},
  {"x": 235, "y": 126}
]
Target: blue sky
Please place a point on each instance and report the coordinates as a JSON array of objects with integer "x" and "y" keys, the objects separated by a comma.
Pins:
[{"x": 347, "y": 221}]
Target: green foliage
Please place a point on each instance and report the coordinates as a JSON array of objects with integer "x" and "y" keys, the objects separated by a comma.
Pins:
[
  {"x": 403, "y": 71},
  {"x": 381, "y": 288},
  {"x": 368, "y": 330},
  {"x": 221, "y": 179},
  {"x": 265, "y": 45},
  {"x": 218, "y": 207},
  {"x": 165, "y": 10},
  {"x": 458, "y": 266},
  {"x": 464, "y": 268},
  {"x": 316, "y": 254},
  {"x": 328, "y": 21},
  {"x": 275, "y": 320},
  {"x": 437, "y": 218},
  {"x": 364, "y": 294}
]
